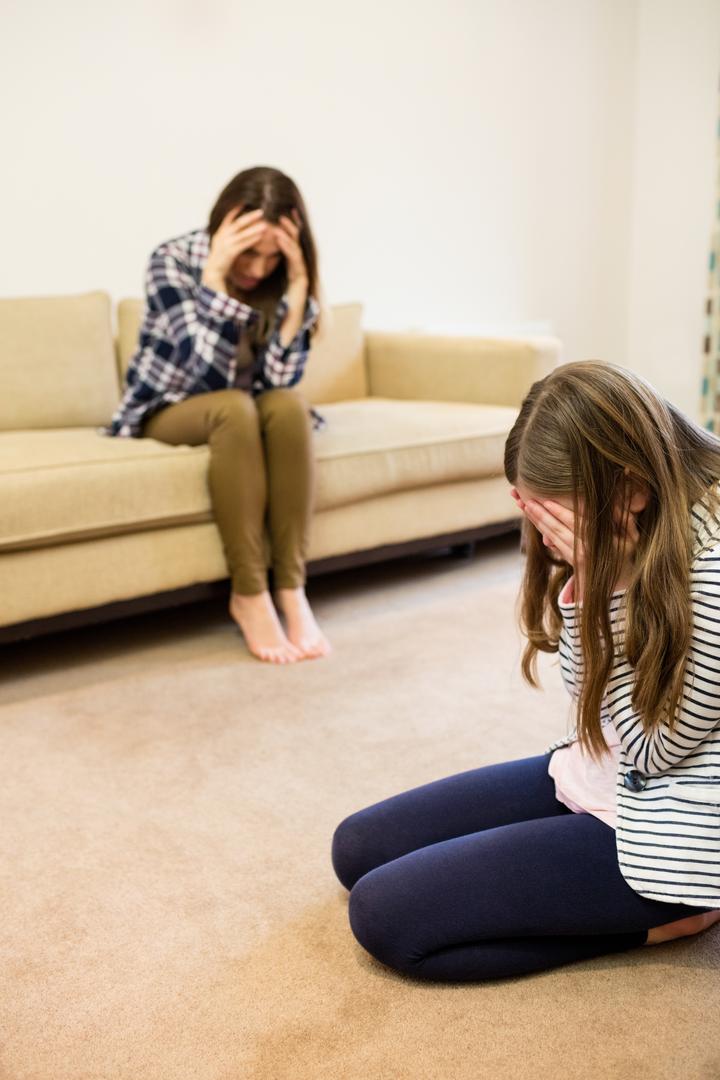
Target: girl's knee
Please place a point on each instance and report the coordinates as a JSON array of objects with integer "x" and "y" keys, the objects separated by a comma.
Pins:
[
  {"x": 349, "y": 853},
  {"x": 359, "y": 846},
  {"x": 381, "y": 920}
]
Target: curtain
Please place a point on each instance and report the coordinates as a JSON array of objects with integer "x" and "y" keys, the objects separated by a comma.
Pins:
[{"x": 711, "y": 343}]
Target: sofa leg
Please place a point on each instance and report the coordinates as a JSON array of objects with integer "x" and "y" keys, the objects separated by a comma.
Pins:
[{"x": 463, "y": 551}]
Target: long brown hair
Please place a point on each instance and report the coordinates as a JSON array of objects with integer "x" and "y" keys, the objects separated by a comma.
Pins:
[
  {"x": 586, "y": 431},
  {"x": 267, "y": 189}
]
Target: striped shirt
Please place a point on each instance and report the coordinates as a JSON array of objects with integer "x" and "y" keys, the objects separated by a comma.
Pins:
[
  {"x": 668, "y": 785},
  {"x": 188, "y": 342}
]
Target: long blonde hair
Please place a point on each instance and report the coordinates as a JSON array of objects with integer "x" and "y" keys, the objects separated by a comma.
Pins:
[{"x": 586, "y": 431}]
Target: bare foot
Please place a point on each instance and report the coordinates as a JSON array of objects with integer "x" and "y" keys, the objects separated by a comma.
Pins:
[
  {"x": 260, "y": 626},
  {"x": 302, "y": 629},
  {"x": 682, "y": 927}
]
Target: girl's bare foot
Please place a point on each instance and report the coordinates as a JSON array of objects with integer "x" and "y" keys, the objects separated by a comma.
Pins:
[
  {"x": 682, "y": 927},
  {"x": 302, "y": 629},
  {"x": 260, "y": 626}
]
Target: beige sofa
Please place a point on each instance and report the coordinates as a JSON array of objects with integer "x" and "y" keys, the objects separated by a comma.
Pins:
[{"x": 93, "y": 527}]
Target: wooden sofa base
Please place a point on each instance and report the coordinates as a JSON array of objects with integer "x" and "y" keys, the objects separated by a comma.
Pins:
[{"x": 211, "y": 589}]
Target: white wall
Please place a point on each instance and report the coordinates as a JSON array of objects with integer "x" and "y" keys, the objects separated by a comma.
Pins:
[
  {"x": 674, "y": 192},
  {"x": 472, "y": 164}
]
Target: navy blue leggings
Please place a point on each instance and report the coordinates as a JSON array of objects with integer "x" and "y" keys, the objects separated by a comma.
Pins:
[{"x": 486, "y": 874}]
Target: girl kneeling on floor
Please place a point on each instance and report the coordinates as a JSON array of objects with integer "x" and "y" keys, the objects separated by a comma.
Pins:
[{"x": 610, "y": 839}]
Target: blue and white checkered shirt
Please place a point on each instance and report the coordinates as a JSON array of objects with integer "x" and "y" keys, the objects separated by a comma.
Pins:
[{"x": 188, "y": 342}]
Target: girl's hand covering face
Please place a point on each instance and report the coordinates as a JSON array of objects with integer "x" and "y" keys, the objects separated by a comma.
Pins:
[
  {"x": 558, "y": 526},
  {"x": 554, "y": 521}
]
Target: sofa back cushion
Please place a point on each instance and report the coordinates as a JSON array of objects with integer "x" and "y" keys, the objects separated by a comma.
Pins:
[
  {"x": 56, "y": 362},
  {"x": 335, "y": 369}
]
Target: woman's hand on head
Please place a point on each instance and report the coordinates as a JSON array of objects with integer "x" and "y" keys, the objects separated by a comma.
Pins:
[{"x": 236, "y": 233}]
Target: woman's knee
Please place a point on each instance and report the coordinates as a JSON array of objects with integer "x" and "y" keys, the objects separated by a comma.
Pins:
[
  {"x": 233, "y": 412},
  {"x": 233, "y": 404},
  {"x": 283, "y": 406}
]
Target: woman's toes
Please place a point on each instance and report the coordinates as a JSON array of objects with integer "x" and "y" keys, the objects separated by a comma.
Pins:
[
  {"x": 321, "y": 646},
  {"x": 313, "y": 648},
  {"x": 309, "y": 648},
  {"x": 274, "y": 655}
]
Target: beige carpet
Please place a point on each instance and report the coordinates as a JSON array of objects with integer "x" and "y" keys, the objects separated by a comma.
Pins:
[{"x": 167, "y": 905}]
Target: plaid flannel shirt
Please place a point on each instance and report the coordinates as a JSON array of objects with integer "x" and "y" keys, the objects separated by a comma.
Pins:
[{"x": 189, "y": 337}]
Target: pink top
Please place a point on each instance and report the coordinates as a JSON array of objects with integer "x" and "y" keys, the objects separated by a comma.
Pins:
[{"x": 581, "y": 784}]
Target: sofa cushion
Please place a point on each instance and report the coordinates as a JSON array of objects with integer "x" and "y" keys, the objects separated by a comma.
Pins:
[
  {"x": 72, "y": 484},
  {"x": 335, "y": 368},
  {"x": 56, "y": 362},
  {"x": 75, "y": 483},
  {"x": 377, "y": 445}
]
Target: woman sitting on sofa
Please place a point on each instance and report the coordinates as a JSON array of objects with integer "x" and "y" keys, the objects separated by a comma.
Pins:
[{"x": 229, "y": 313}]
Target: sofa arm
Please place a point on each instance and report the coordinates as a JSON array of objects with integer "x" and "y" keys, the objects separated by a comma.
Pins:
[{"x": 442, "y": 368}]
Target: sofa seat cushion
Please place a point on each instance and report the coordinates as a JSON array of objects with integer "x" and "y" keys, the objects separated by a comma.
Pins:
[
  {"x": 377, "y": 445},
  {"x": 73, "y": 483}
]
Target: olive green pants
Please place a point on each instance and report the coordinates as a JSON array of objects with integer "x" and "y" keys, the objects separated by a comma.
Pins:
[{"x": 261, "y": 477}]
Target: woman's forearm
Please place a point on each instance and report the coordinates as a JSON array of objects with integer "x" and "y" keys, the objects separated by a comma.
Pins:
[
  {"x": 297, "y": 292},
  {"x": 214, "y": 281}
]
